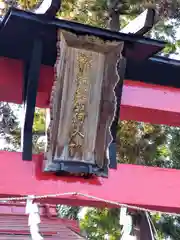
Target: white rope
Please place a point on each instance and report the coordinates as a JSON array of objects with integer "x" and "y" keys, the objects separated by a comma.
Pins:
[{"x": 12, "y": 199}]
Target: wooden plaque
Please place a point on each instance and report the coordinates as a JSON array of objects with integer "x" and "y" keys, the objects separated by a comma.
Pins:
[{"x": 82, "y": 103}]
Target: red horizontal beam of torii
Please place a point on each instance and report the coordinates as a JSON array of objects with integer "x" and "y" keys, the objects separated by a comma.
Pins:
[
  {"x": 147, "y": 187},
  {"x": 140, "y": 102}
]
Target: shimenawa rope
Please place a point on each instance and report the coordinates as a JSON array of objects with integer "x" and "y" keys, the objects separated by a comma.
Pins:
[{"x": 12, "y": 199}]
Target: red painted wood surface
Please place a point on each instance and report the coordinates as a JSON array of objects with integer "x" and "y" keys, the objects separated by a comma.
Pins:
[
  {"x": 16, "y": 208},
  {"x": 149, "y": 187},
  {"x": 14, "y": 224},
  {"x": 141, "y": 102}
]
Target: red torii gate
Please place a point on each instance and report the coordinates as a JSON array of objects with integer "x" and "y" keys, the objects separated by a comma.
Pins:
[{"x": 145, "y": 187}]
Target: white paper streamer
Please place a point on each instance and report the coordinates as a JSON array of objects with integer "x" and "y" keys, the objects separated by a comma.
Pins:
[
  {"x": 127, "y": 228},
  {"x": 123, "y": 213},
  {"x": 34, "y": 218}
]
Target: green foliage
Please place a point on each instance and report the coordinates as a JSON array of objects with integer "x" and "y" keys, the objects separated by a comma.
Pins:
[
  {"x": 10, "y": 127},
  {"x": 98, "y": 223},
  {"x": 174, "y": 146},
  {"x": 140, "y": 143},
  {"x": 168, "y": 226},
  {"x": 39, "y": 120},
  {"x": 90, "y": 12},
  {"x": 68, "y": 212}
]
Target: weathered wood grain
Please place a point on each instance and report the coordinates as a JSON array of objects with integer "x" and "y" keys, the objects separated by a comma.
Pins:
[
  {"x": 108, "y": 105},
  {"x": 93, "y": 106},
  {"x": 83, "y": 100}
]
